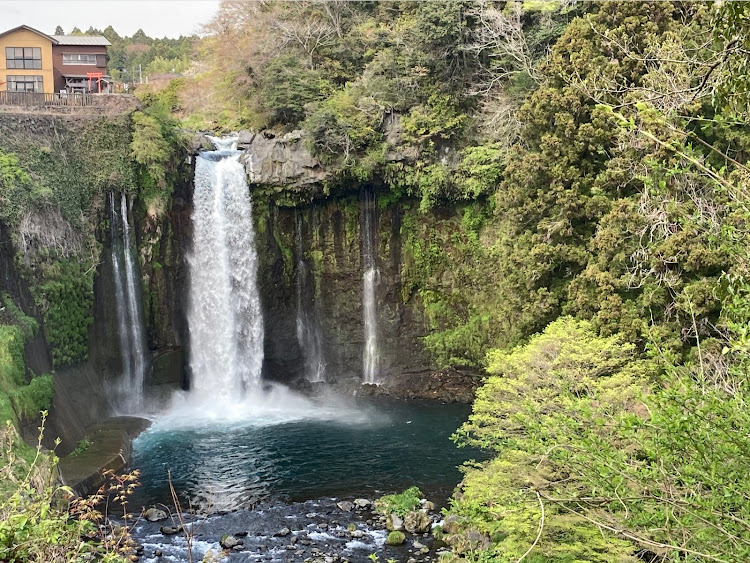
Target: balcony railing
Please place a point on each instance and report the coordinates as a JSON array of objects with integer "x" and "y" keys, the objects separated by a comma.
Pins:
[{"x": 40, "y": 99}]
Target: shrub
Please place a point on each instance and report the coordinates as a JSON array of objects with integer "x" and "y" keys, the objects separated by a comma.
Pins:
[{"x": 399, "y": 504}]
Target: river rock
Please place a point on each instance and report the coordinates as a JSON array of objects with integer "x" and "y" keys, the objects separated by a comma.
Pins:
[
  {"x": 394, "y": 523},
  {"x": 345, "y": 505},
  {"x": 362, "y": 503},
  {"x": 395, "y": 538},
  {"x": 283, "y": 532},
  {"x": 417, "y": 522},
  {"x": 229, "y": 541},
  {"x": 170, "y": 530},
  {"x": 429, "y": 506},
  {"x": 450, "y": 524},
  {"x": 155, "y": 515},
  {"x": 357, "y": 534}
]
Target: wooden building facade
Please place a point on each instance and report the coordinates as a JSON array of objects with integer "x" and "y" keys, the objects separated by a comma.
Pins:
[{"x": 31, "y": 61}]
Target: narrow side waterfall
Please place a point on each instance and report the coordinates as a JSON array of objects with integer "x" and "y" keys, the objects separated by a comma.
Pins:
[
  {"x": 224, "y": 315},
  {"x": 129, "y": 391},
  {"x": 370, "y": 280},
  {"x": 308, "y": 328}
]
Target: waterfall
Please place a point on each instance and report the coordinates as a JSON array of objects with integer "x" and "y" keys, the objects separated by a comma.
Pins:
[
  {"x": 370, "y": 280},
  {"x": 308, "y": 328},
  {"x": 224, "y": 315},
  {"x": 129, "y": 389}
]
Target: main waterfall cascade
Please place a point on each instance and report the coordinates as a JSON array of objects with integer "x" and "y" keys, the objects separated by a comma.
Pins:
[
  {"x": 224, "y": 314},
  {"x": 370, "y": 280},
  {"x": 128, "y": 390},
  {"x": 309, "y": 334}
]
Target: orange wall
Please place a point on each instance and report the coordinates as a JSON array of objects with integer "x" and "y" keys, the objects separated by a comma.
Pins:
[{"x": 25, "y": 38}]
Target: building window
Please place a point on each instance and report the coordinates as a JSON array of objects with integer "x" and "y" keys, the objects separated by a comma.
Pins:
[
  {"x": 23, "y": 57},
  {"x": 25, "y": 84},
  {"x": 78, "y": 59}
]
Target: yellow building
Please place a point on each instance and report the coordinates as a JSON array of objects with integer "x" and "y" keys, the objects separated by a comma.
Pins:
[{"x": 26, "y": 60}]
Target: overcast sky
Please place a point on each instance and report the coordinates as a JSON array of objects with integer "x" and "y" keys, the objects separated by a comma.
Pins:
[{"x": 158, "y": 18}]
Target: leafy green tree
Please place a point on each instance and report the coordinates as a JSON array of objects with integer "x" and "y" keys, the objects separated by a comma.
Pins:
[{"x": 289, "y": 87}]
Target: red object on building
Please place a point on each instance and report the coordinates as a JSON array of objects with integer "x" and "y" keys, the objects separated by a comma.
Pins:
[{"x": 98, "y": 77}]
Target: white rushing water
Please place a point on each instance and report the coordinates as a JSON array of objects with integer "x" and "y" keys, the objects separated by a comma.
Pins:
[
  {"x": 309, "y": 334},
  {"x": 224, "y": 315},
  {"x": 128, "y": 392},
  {"x": 370, "y": 280}
]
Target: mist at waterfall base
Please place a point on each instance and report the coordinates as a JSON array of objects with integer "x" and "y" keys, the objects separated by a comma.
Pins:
[{"x": 234, "y": 440}]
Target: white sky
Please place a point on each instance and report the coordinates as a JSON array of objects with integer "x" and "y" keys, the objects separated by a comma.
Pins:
[{"x": 158, "y": 18}]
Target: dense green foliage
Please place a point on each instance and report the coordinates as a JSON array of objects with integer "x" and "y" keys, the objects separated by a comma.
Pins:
[
  {"x": 399, "y": 504},
  {"x": 582, "y": 176}
]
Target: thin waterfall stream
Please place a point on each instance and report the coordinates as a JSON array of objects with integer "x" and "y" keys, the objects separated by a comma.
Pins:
[
  {"x": 128, "y": 392},
  {"x": 224, "y": 315},
  {"x": 370, "y": 280},
  {"x": 309, "y": 334}
]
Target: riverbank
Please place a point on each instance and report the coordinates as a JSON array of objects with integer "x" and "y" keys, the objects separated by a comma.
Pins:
[{"x": 325, "y": 530}]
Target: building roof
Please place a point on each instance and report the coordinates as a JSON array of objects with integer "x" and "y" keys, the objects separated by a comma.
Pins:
[
  {"x": 80, "y": 40},
  {"x": 27, "y": 28}
]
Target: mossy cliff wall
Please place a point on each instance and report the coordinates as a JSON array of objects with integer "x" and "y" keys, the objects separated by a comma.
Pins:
[
  {"x": 57, "y": 173},
  {"x": 425, "y": 302}
]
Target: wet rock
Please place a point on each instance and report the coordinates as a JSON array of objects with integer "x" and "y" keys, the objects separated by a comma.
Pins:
[
  {"x": 310, "y": 515},
  {"x": 322, "y": 526},
  {"x": 229, "y": 541},
  {"x": 417, "y": 545},
  {"x": 417, "y": 522},
  {"x": 345, "y": 505},
  {"x": 239, "y": 534},
  {"x": 155, "y": 514},
  {"x": 158, "y": 553},
  {"x": 429, "y": 506},
  {"x": 394, "y": 523},
  {"x": 357, "y": 534},
  {"x": 477, "y": 540},
  {"x": 282, "y": 533},
  {"x": 450, "y": 524},
  {"x": 395, "y": 538},
  {"x": 170, "y": 530},
  {"x": 362, "y": 503}
]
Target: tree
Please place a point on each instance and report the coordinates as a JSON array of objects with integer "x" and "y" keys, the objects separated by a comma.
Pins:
[{"x": 59, "y": 30}]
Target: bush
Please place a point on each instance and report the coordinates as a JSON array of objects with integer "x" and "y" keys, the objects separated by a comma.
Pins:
[
  {"x": 29, "y": 400},
  {"x": 399, "y": 504}
]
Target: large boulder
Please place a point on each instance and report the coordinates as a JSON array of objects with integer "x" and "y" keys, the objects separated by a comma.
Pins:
[
  {"x": 417, "y": 522},
  {"x": 393, "y": 522},
  {"x": 155, "y": 515},
  {"x": 395, "y": 538},
  {"x": 281, "y": 161}
]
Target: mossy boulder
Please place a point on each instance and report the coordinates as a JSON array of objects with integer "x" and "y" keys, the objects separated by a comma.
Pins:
[
  {"x": 417, "y": 522},
  {"x": 395, "y": 538}
]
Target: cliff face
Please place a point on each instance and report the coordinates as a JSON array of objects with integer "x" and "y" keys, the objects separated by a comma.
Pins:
[
  {"x": 331, "y": 249},
  {"x": 56, "y": 264},
  {"x": 55, "y": 259}
]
